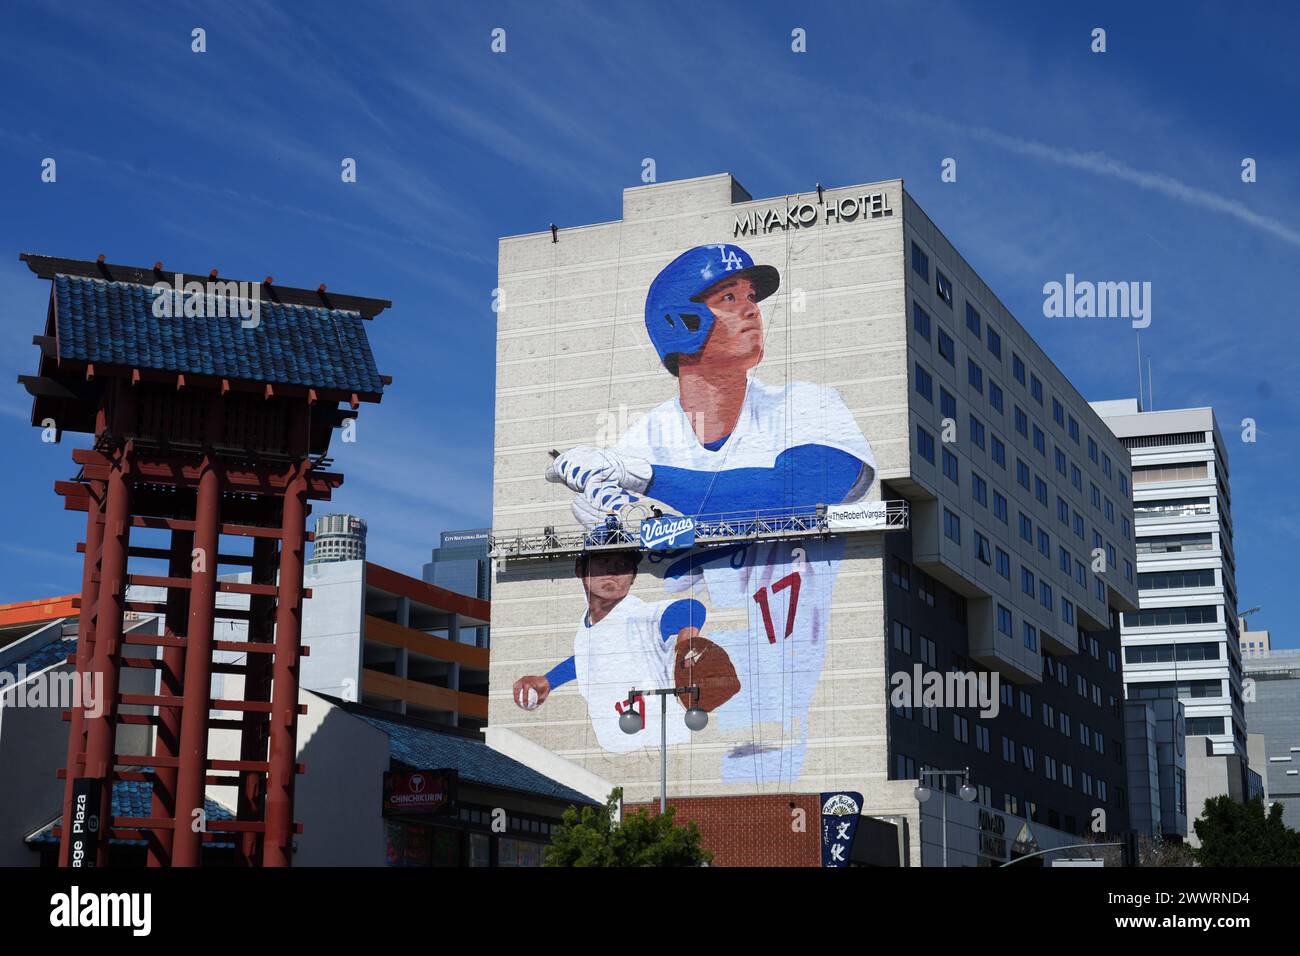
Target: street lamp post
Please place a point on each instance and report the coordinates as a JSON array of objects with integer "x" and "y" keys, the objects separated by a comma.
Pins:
[
  {"x": 630, "y": 722},
  {"x": 966, "y": 793}
]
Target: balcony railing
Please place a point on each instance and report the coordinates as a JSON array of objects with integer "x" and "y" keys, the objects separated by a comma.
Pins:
[{"x": 709, "y": 529}]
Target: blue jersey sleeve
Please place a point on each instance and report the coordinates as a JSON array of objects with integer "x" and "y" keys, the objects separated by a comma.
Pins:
[
  {"x": 562, "y": 673},
  {"x": 685, "y": 613},
  {"x": 801, "y": 478}
]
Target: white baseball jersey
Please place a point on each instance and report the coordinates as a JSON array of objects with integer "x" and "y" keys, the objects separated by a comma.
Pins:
[
  {"x": 624, "y": 650},
  {"x": 784, "y": 585}
]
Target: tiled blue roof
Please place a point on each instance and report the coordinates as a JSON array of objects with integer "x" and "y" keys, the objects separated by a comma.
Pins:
[
  {"x": 134, "y": 798},
  {"x": 52, "y": 653},
  {"x": 426, "y": 749},
  {"x": 113, "y": 323}
]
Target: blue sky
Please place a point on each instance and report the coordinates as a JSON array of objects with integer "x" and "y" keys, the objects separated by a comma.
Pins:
[{"x": 1123, "y": 165}]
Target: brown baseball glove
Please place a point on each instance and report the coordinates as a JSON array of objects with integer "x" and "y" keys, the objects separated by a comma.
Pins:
[{"x": 700, "y": 662}]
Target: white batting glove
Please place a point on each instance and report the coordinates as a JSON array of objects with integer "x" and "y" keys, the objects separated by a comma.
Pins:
[
  {"x": 598, "y": 502},
  {"x": 585, "y": 465}
]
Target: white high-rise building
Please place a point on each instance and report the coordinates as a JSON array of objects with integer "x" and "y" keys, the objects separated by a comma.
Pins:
[{"x": 1184, "y": 637}]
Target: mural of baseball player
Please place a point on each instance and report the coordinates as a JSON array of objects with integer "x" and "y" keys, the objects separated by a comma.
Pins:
[
  {"x": 623, "y": 642},
  {"x": 728, "y": 442}
]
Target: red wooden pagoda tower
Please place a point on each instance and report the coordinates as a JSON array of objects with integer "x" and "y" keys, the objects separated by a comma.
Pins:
[{"x": 209, "y": 425}]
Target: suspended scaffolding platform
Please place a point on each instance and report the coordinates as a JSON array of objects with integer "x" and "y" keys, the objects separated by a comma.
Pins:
[{"x": 673, "y": 531}]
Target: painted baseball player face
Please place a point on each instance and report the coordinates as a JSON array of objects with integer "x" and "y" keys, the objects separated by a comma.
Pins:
[
  {"x": 607, "y": 577},
  {"x": 737, "y": 336}
]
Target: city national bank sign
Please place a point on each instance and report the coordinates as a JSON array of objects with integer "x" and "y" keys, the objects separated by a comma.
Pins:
[{"x": 760, "y": 222}]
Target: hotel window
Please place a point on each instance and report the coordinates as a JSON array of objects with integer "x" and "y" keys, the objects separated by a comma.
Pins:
[
  {"x": 925, "y": 588},
  {"x": 902, "y": 638},
  {"x": 950, "y": 470},
  {"x": 960, "y": 729},
  {"x": 1110, "y": 556},
  {"x": 930, "y": 718},
  {"x": 1099, "y": 744},
  {"x": 921, "y": 321},
  {"x": 1080, "y": 573},
  {"x": 1022, "y": 422},
  {"x": 1078, "y": 524},
  {"x": 1108, "y": 507},
  {"x": 1036, "y": 389},
  {"x": 1045, "y": 595},
  {"x": 1128, "y": 570},
  {"x": 1049, "y": 712},
  {"x": 1067, "y": 775},
  {"x": 1063, "y": 561},
  {"x": 1044, "y": 543},
  {"x": 947, "y": 404},
  {"x": 1123, "y": 483},
  {"x": 1092, "y": 449},
  {"x": 1049, "y": 767},
  {"x": 994, "y": 341},
  {"x": 1040, "y": 490},
  {"x": 1101, "y": 790},
  {"x": 998, "y": 451},
  {"x": 972, "y": 320},
  {"x": 928, "y": 654},
  {"x": 1018, "y": 368},
  {"x": 920, "y": 262},
  {"x": 977, "y": 433},
  {"x": 1040, "y": 441},
  {"x": 1087, "y": 783},
  {"x": 951, "y": 526},
  {"x": 1065, "y": 723},
  {"x": 1059, "y": 457},
  {"x": 982, "y": 741},
  {"x": 1058, "y": 412},
  {"x": 1008, "y": 750},
  {"x": 1026, "y": 528},
  {"x": 900, "y": 573},
  {"x": 1011, "y": 804},
  {"x": 924, "y": 384},
  {"x": 995, "y": 396},
  {"x": 1022, "y": 474},
  {"x": 1027, "y": 757},
  {"x": 975, "y": 376},
  {"x": 1126, "y": 527},
  {"x": 1076, "y": 477},
  {"x": 904, "y": 767},
  {"x": 1063, "y": 674},
  {"x": 1063, "y": 513},
  {"x": 1000, "y": 507},
  {"x": 1004, "y": 620},
  {"x": 1095, "y": 493},
  {"x": 1067, "y": 611},
  {"x": 925, "y": 444},
  {"x": 943, "y": 286},
  {"x": 1081, "y": 685},
  {"x": 982, "y": 548},
  {"x": 1004, "y": 566},
  {"x": 1112, "y": 661},
  {"x": 1105, "y": 465},
  {"x": 979, "y": 489},
  {"x": 1027, "y": 581},
  {"x": 946, "y": 349}
]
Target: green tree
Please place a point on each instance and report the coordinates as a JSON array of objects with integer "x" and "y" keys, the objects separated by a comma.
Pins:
[
  {"x": 1245, "y": 834},
  {"x": 592, "y": 838}
]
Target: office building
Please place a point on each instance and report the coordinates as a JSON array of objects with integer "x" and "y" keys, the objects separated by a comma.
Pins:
[
  {"x": 1273, "y": 712},
  {"x": 461, "y": 564},
  {"x": 885, "y": 474},
  {"x": 1253, "y": 643},
  {"x": 339, "y": 538},
  {"x": 1185, "y": 633}
]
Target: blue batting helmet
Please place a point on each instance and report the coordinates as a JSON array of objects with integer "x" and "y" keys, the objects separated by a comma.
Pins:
[{"x": 676, "y": 318}]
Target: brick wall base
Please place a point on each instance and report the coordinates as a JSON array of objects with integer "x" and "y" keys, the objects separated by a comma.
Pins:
[{"x": 763, "y": 830}]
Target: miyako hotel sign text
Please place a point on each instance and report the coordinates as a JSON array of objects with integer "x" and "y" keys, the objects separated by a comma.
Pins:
[{"x": 759, "y": 222}]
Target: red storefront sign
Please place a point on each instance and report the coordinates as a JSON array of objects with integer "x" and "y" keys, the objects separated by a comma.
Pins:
[{"x": 419, "y": 791}]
